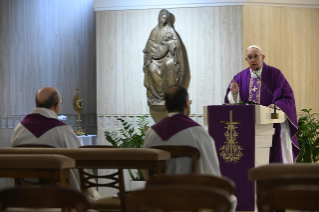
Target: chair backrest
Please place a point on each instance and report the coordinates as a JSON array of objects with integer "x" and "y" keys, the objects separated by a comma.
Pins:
[
  {"x": 182, "y": 151},
  {"x": 297, "y": 197},
  {"x": 34, "y": 146},
  {"x": 115, "y": 180},
  {"x": 179, "y": 198},
  {"x": 276, "y": 175},
  {"x": 223, "y": 183},
  {"x": 43, "y": 198},
  {"x": 98, "y": 146},
  {"x": 277, "y": 170}
]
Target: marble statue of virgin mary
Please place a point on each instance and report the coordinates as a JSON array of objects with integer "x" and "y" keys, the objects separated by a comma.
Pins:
[{"x": 165, "y": 61}]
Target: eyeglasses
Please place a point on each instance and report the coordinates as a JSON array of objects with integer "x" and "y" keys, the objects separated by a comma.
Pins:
[
  {"x": 61, "y": 100},
  {"x": 255, "y": 57},
  {"x": 190, "y": 101}
]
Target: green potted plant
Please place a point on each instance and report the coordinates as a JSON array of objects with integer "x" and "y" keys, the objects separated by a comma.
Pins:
[
  {"x": 308, "y": 138},
  {"x": 127, "y": 137}
]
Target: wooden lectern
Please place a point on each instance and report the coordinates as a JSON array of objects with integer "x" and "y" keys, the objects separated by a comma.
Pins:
[{"x": 243, "y": 137}]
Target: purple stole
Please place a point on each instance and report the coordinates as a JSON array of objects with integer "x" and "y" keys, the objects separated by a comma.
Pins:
[
  {"x": 285, "y": 100},
  {"x": 38, "y": 124},
  {"x": 169, "y": 126},
  {"x": 254, "y": 90}
]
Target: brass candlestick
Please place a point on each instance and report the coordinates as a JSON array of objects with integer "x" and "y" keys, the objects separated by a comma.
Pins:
[{"x": 78, "y": 106}]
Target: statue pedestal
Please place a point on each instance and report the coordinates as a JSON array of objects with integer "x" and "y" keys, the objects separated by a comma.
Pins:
[{"x": 158, "y": 115}]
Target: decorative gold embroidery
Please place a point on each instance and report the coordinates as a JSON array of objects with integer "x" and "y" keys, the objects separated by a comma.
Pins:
[
  {"x": 251, "y": 82},
  {"x": 231, "y": 151},
  {"x": 259, "y": 90}
]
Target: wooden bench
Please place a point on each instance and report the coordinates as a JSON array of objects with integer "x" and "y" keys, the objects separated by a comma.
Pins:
[
  {"x": 128, "y": 158},
  {"x": 53, "y": 168}
]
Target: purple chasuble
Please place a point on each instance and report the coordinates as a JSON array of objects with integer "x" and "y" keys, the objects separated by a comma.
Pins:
[
  {"x": 279, "y": 86},
  {"x": 38, "y": 124},
  {"x": 169, "y": 126}
]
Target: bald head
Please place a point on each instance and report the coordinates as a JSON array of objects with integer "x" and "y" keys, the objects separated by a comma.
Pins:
[
  {"x": 175, "y": 98},
  {"x": 48, "y": 97}
]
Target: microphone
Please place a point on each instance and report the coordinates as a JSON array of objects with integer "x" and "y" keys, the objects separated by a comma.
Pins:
[{"x": 273, "y": 115}]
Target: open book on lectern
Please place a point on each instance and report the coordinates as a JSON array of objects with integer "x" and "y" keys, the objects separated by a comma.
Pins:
[{"x": 242, "y": 103}]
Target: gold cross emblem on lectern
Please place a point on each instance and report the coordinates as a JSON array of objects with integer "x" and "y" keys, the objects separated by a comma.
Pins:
[{"x": 231, "y": 151}]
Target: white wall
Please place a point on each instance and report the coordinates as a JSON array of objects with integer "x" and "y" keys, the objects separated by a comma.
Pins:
[{"x": 46, "y": 43}]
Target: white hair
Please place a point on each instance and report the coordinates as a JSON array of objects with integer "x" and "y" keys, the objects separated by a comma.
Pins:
[{"x": 256, "y": 47}]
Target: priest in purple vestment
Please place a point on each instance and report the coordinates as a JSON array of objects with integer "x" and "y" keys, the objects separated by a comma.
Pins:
[
  {"x": 43, "y": 127},
  {"x": 246, "y": 86},
  {"x": 179, "y": 130}
]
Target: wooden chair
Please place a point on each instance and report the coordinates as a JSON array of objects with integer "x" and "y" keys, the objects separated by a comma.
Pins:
[
  {"x": 53, "y": 168},
  {"x": 43, "y": 198},
  {"x": 275, "y": 175},
  {"x": 297, "y": 197},
  {"x": 182, "y": 151},
  {"x": 116, "y": 181},
  {"x": 179, "y": 198},
  {"x": 222, "y": 183}
]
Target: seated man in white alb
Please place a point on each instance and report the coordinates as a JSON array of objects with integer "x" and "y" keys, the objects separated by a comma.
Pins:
[
  {"x": 42, "y": 126},
  {"x": 179, "y": 129}
]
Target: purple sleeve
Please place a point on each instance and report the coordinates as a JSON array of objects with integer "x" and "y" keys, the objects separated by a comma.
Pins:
[
  {"x": 286, "y": 102},
  {"x": 228, "y": 90}
]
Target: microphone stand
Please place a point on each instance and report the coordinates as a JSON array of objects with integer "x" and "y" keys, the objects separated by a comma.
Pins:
[{"x": 274, "y": 115}]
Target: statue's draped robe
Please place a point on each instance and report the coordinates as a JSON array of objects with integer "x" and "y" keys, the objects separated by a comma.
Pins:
[{"x": 279, "y": 86}]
